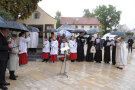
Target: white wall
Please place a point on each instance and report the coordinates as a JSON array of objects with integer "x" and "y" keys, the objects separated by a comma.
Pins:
[{"x": 86, "y": 27}]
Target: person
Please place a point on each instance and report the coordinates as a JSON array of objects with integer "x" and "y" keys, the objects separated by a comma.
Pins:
[
  {"x": 98, "y": 46},
  {"x": 13, "y": 62},
  {"x": 90, "y": 42},
  {"x": 63, "y": 44},
  {"x": 73, "y": 49},
  {"x": 51, "y": 38},
  {"x": 4, "y": 56},
  {"x": 107, "y": 45},
  {"x": 45, "y": 50},
  {"x": 113, "y": 44},
  {"x": 54, "y": 49},
  {"x": 80, "y": 47},
  {"x": 122, "y": 54},
  {"x": 23, "y": 59},
  {"x": 130, "y": 43}
]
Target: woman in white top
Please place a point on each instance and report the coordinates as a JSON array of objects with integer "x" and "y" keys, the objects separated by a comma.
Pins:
[
  {"x": 45, "y": 50},
  {"x": 23, "y": 59}
]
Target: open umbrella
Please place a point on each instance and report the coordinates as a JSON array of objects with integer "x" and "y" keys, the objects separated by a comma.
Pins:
[
  {"x": 66, "y": 27},
  {"x": 32, "y": 29},
  {"x": 93, "y": 31},
  {"x": 16, "y": 26},
  {"x": 50, "y": 30},
  {"x": 118, "y": 33},
  {"x": 66, "y": 33},
  {"x": 78, "y": 31}
]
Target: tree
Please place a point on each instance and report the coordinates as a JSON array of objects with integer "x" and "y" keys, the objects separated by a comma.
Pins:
[
  {"x": 5, "y": 15},
  {"x": 19, "y": 9},
  {"x": 58, "y": 17},
  {"x": 109, "y": 17},
  {"x": 87, "y": 13}
]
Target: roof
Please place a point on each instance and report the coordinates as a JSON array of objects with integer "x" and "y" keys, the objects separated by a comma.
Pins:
[{"x": 79, "y": 21}]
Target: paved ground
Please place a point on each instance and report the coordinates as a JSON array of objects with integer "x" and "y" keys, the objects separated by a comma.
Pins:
[{"x": 82, "y": 76}]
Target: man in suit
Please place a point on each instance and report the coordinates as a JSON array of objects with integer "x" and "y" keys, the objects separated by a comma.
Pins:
[
  {"x": 4, "y": 56},
  {"x": 130, "y": 43}
]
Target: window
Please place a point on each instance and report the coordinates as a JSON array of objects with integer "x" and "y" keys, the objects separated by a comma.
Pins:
[
  {"x": 76, "y": 26},
  {"x": 90, "y": 26},
  {"x": 36, "y": 15},
  {"x": 82, "y": 26},
  {"x": 95, "y": 26}
]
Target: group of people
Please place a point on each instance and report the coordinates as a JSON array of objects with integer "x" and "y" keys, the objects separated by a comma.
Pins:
[
  {"x": 119, "y": 49},
  {"x": 12, "y": 55}
]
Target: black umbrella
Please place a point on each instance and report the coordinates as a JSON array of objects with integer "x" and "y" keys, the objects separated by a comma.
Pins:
[
  {"x": 78, "y": 31},
  {"x": 93, "y": 31},
  {"x": 50, "y": 30},
  {"x": 118, "y": 33},
  {"x": 32, "y": 29},
  {"x": 65, "y": 27},
  {"x": 16, "y": 26}
]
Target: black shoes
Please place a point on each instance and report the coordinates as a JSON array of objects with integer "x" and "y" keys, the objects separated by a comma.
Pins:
[
  {"x": 6, "y": 83},
  {"x": 3, "y": 87},
  {"x": 120, "y": 68},
  {"x": 12, "y": 77}
]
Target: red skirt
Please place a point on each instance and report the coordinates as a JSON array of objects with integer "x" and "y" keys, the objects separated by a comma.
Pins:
[
  {"x": 62, "y": 58},
  {"x": 73, "y": 56},
  {"x": 45, "y": 55},
  {"x": 53, "y": 57},
  {"x": 23, "y": 59}
]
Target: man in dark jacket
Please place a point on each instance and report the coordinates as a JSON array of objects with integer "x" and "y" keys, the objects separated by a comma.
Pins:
[
  {"x": 130, "y": 43},
  {"x": 4, "y": 56},
  {"x": 80, "y": 47}
]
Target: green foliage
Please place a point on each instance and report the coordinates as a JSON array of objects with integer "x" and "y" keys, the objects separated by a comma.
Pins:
[
  {"x": 5, "y": 15},
  {"x": 19, "y": 9},
  {"x": 129, "y": 33},
  {"x": 58, "y": 17},
  {"x": 87, "y": 13},
  {"x": 108, "y": 16},
  {"x": 115, "y": 29}
]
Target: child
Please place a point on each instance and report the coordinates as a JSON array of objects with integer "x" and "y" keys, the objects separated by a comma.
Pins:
[
  {"x": 54, "y": 49},
  {"x": 73, "y": 49},
  {"x": 63, "y": 44},
  {"x": 45, "y": 50}
]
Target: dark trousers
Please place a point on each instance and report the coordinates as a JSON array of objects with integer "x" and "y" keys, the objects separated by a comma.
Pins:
[
  {"x": 130, "y": 48},
  {"x": 114, "y": 55},
  {"x": 3, "y": 65}
]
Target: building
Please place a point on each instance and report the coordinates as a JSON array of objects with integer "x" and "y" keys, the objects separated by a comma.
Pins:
[
  {"x": 81, "y": 22},
  {"x": 42, "y": 21}
]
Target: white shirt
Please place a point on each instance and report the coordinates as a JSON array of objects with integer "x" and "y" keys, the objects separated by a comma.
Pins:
[
  {"x": 73, "y": 46},
  {"x": 54, "y": 47},
  {"x": 23, "y": 44},
  {"x": 62, "y": 46},
  {"x": 47, "y": 46}
]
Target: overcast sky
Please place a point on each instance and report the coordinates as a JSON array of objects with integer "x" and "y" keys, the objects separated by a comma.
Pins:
[{"x": 74, "y": 8}]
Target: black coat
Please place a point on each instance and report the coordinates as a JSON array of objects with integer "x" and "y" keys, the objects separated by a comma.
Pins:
[
  {"x": 4, "y": 55},
  {"x": 130, "y": 41}
]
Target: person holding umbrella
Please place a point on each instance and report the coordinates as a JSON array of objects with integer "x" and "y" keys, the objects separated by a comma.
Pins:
[
  {"x": 80, "y": 47},
  {"x": 23, "y": 59},
  {"x": 4, "y": 56}
]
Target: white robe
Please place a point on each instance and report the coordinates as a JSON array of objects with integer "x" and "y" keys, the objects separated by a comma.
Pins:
[
  {"x": 121, "y": 54},
  {"x": 33, "y": 43},
  {"x": 73, "y": 46},
  {"x": 47, "y": 47},
  {"x": 54, "y": 48},
  {"x": 23, "y": 44},
  {"x": 62, "y": 46}
]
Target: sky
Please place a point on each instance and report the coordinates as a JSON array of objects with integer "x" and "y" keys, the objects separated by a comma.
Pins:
[{"x": 74, "y": 8}]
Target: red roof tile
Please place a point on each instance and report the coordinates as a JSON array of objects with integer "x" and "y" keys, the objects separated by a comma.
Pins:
[{"x": 79, "y": 21}]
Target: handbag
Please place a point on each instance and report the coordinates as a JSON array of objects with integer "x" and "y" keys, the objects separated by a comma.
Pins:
[{"x": 93, "y": 49}]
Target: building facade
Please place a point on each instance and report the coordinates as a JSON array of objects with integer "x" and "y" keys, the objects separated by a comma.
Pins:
[{"x": 81, "y": 22}]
